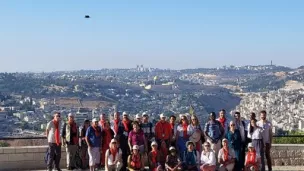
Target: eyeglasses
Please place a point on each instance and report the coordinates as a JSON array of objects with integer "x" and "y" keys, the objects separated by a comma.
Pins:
[{"x": 232, "y": 125}]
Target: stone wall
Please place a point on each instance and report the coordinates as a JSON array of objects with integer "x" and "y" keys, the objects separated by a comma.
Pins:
[
  {"x": 27, "y": 157},
  {"x": 287, "y": 154},
  {"x": 32, "y": 157}
]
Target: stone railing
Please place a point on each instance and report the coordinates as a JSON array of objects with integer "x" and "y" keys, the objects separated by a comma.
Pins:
[
  {"x": 32, "y": 157},
  {"x": 24, "y": 158}
]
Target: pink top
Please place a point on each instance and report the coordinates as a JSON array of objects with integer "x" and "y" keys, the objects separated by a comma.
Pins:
[{"x": 137, "y": 138}]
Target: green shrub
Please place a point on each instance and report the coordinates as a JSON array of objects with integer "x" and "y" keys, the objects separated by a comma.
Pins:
[
  {"x": 290, "y": 140},
  {"x": 4, "y": 144}
]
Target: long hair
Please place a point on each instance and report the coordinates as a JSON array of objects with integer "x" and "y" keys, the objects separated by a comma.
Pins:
[
  {"x": 185, "y": 118},
  {"x": 251, "y": 129},
  {"x": 197, "y": 121}
]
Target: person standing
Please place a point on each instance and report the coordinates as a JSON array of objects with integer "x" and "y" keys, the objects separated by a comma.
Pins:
[
  {"x": 172, "y": 120},
  {"x": 248, "y": 126},
  {"x": 93, "y": 139},
  {"x": 182, "y": 135},
  {"x": 70, "y": 140},
  {"x": 53, "y": 132},
  {"x": 147, "y": 127},
  {"x": 102, "y": 120},
  {"x": 83, "y": 144},
  {"x": 223, "y": 120},
  {"x": 107, "y": 135},
  {"x": 137, "y": 137},
  {"x": 255, "y": 133},
  {"x": 163, "y": 131},
  {"x": 196, "y": 133},
  {"x": 241, "y": 125},
  {"x": 267, "y": 136},
  {"x": 234, "y": 141},
  {"x": 214, "y": 132}
]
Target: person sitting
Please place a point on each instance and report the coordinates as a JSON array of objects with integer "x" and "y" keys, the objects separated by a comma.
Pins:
[
  {"x": 208, "y": 160},
  {"x": 191, "y": 157},
  {"x": 173, "y": 162},
  {"x": 135, "y": 163},
  {"x": 252, "y": 160},
  {"x": 113, "y": 157},
  {"x": 226, "y": 157},
  {"x": 155, "y": 157}
]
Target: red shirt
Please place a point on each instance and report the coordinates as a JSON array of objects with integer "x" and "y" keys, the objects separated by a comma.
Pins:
[{"x": 163, "y": 130}]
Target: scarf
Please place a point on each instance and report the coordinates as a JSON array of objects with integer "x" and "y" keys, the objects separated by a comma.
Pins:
[
  {"x": 57, "y": 133},
  {"x": 97, "y": 131},
  {"x": 116, "y": 121},
  {"x": 172, "y": 127},
  {"x": 101, "y": 123},
  {"x": 251, "y": 157},
  {"x": 185, "y": 126},
  {"x": 226, "y": 153},
  {"x": 73, "y": 131},
  {"x": 126, "y": 124},
  {"x": 107, "y": 138},
  {"x": 222, "y": 121},
  {"x": 135, "y": 161},
  {"x": 154, "y": 156},
  {"x": 113, "y": 152}
]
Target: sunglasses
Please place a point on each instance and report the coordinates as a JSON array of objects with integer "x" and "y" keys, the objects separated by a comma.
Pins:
[
  {"x": 207, "y": 145},
  {"x": 232, "y": 125},
  {"x": 57, "y": 116}
]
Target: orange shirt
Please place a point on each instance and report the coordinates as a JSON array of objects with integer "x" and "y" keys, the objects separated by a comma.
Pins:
[{"x": 163, "y": 130}]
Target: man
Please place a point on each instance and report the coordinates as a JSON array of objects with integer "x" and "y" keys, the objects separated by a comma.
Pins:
[
  {"x": 267, "y": 137},
  {"x": 173, "y": 130},
  {"x": 214, "y": 132},
  {"x": 93, "y": 139},
  {"x": 226, "y": 157},
  {"x": 147, "y": 127},
  {"x": 121, "y": 130},
  {"x": 163, "y": 131},
  {"x": 223, "y": 120},
  {"x": 53, "y": 132},
  {"x": 70, "y": 140},
  {"x": 83, "y": 144},
  {"x": 102, "y": 120},
  {"x": 241, "y": 126},
  {"x": 138, "y": 119}
]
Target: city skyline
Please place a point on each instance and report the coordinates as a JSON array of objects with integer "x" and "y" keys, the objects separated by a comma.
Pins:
[{"x": 55, "y": 36}]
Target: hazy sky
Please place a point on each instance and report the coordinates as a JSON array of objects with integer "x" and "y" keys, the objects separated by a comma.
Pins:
[{"x": 48, "y": 35}]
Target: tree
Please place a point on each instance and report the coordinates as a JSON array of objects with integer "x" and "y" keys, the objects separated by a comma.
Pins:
[{"x": 4, "y": 144}]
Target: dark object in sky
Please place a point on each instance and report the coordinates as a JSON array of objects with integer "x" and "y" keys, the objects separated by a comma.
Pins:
[{"x": 87, "y": 16}]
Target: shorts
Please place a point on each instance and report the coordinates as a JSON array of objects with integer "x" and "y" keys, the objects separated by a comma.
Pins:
[{"x": 94, "y": 156}]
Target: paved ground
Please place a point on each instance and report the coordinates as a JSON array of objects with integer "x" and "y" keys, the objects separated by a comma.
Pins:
[{"x": 280, "y": 168}]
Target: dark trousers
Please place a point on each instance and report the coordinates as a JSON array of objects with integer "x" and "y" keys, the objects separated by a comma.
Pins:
[
  {"x": 242, "y": 155},
  {"x": 54, "y": 156},
  {"x": 268, "y": 157}
]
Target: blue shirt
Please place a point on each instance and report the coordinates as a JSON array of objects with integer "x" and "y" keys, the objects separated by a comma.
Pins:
[
  {"x": 92, "y": 138},
  {"x": 213, "y": 130}
]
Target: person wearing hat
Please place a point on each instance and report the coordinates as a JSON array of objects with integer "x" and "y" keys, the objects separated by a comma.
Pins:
[
  {"x": 138, "y": 118},
  {"x": 102, "y": 120},
  {"x": 70, "y": 140},
  {"x": 214, "y": 132},
  {"x": 154, "y": 157},
  {"x": 182, "y": 135},
  {"x": 226, "y": 157},
  {"x": 135, "y": 162},
  {"x": 163, "y": 131},
  {"x": 191, "y": 157},
  {"x": 208, "y": 159},
  {"x": 252, "y": 160},
  {"x": 83, "y": 145},
  {"x": 148, "y": 129},
  {"x": 121, "y": 129},
  {"x": 173, "y": 162},
  {"x": 113, "y": 157},
  {"x": 93, "y": 139},
  {"x": 107, "y": 135}
]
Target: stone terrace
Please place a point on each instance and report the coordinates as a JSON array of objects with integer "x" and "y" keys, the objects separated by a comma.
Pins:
[{"x": 285, "y": 157}]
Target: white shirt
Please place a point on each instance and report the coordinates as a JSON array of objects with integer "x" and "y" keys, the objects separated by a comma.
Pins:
[
  {"x": 208, "y": 158},
  {"x": 117, "y": 157},
  {"x": 51, "y": 128},
  {"x": 240, "y": 127},
  {"x": 257, "y": 133},
  {"x": 267, "y": 127}
]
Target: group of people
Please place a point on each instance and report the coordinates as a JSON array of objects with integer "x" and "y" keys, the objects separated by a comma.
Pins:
[{"x": 122, "y": 144}]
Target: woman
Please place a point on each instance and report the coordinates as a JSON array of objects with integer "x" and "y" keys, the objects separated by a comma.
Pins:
[
  {"x": 173, "y": 162},
  {"x": 234, "y": 141},
  {"x": 135, "y": 163},
  {"x": 155, "y": 158},
  {"x": 107, "y": 135},
  {"x": 83, "y": 144},
  {"x": 191, "y": 157},
  {"x": 208, "y": 160},
  {"x": 182, "y": 134},
  {"x": 113, "y": 157},
  {"x": 226, "y": 157},
  {"x": 195, "y": 132},
  {"x": 252, "y": 160},
  {"x": 137, "y": 137},
  {"x": 255, "y": 133}
]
